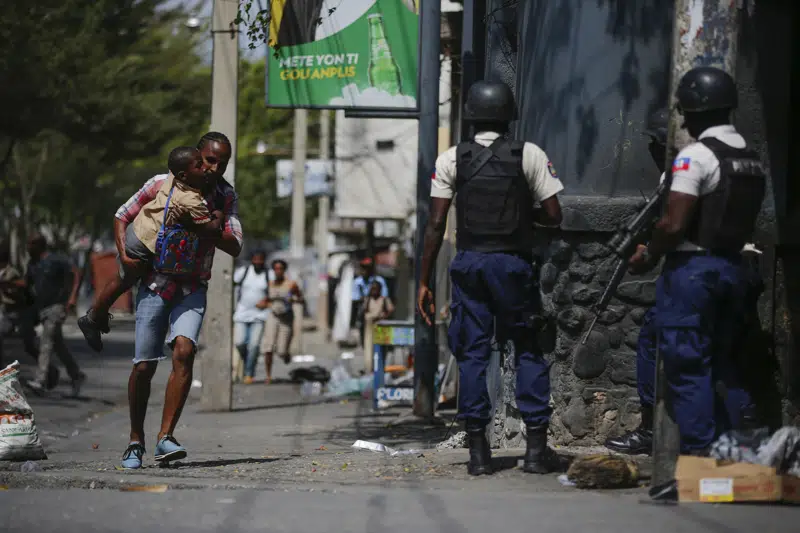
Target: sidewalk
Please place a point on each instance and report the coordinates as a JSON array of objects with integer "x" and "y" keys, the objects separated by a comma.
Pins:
[{"x": 273, "y": 438}]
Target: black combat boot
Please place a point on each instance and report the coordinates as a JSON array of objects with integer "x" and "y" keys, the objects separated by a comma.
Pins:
[
  {"x": 638, "y": 441},
  {"x": 667, "y": 492},
  {"x": 539, "y": 458},
  {"x": 480, "y": 456}
]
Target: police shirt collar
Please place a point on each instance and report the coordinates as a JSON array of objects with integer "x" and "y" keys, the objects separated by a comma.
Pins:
[
  {"x": 716, "y": 131},
  {"x": 486, "y": 135}
]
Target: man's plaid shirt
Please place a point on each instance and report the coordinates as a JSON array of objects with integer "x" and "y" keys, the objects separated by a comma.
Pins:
[{"x": 223, "y": 197}]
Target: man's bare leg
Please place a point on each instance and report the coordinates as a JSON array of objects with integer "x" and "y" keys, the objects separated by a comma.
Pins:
[
  {"x": 109, "y": 294},
  {"x": 268, "y": 363},
  {"x": 178, "y": 386},
  {"x": 138, "y": 395}
]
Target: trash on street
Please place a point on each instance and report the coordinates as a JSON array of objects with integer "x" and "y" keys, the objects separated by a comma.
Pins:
[
  {"x": 19, "y": 439},
  {"x": 380, "y": 448}
]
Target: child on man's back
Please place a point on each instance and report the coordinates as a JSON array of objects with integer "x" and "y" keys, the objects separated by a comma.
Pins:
[{"x": 178, "y": 201}]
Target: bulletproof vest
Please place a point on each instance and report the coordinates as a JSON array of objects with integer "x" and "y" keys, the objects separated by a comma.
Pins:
[
  {"x": 725, "y": 218},
  {"x": 494, "y": 207}
]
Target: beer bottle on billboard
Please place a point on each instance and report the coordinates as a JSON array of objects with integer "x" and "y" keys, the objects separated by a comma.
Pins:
[{"x": 384, "y": 74}]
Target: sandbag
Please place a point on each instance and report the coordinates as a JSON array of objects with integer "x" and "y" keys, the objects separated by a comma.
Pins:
[
  {"x": 19, "y": 439},
  {"x": 603, "y": 471}
]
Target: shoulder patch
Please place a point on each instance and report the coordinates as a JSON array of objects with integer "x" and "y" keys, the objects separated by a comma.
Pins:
[
  {"x": 433, "y": 176},
  {"x": 551, "y": 169},
  {"x": 681, "y": 164}
]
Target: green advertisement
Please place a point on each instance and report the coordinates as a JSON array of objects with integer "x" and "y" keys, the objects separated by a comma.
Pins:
[{"x": 343, "y": 54}]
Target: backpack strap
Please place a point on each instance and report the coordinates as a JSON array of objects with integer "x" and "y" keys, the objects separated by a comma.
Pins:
[{"x": 166, "y": 206}]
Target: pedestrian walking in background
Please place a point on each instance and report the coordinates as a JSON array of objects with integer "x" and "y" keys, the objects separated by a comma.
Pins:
[
  {"x": 16, "y": 306},
  {"x": 376, "y": 307},
  {"x": 361, "y": 284},
  {"x": 252, "y": 310},
  {"x": 54, "y": 282},
  {"x": 282, "y": 293}
]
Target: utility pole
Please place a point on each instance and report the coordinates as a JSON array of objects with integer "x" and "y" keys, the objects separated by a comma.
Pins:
[
  {"x": 473, "y": 38},
  {"x": 297, "y": 234},
  {"x": 704, "y": 34},
  {"x": 216, "y": 361},
  {"x": 322, "y": 227},
  {"x": 426, "y": 353}
]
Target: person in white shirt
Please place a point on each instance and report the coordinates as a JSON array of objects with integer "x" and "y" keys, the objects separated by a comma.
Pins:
[
  {"x": 716, "y": 187},
  {"x": 498, "y": 183},
  {"x": 252, "y": 309},
  {"x": 640, "y": 439}
]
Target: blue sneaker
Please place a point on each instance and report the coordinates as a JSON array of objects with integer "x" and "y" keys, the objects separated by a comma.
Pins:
[
  {"x": 132, "y": 458},
  {"x": 168, "y": 449}
]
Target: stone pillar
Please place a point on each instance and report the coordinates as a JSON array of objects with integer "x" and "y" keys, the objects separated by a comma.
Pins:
[{"x": 592, "y": 386}]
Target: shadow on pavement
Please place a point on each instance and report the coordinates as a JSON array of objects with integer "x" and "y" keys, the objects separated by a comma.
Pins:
[
  {"x": 378, "y": 427},
  {"x": 219, "y": 462}
]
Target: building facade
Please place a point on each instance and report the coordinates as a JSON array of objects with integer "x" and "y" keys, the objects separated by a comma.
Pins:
[{"x": 586, "y": 75}]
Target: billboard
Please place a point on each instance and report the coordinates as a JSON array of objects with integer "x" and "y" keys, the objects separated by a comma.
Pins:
[
  {"x": 358, "y": 54},
  {"x": 319, "y": 174}
]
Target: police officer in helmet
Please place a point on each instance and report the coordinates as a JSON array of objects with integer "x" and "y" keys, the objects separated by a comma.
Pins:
[
  {"x": 716, "y": 185},
  {"x": 640, "y": 440},
  {"x": 494, "y": 292}
]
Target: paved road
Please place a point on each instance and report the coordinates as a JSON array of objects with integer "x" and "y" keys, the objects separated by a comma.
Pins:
[
  {"x": 277, "y": 464},
  {"x": 382, "y": 511}
]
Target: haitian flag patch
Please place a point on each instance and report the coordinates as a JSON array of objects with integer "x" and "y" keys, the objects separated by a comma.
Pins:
[
  {"x": 681, "y": 164},
  {"x": 433, "y": 176},
  {"x": 551, "y": 169}
]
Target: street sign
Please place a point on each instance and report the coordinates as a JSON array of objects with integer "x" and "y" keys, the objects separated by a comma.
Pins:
[
  {"x": 395, "y": 395},
  {"x": 319, "y": 177}
]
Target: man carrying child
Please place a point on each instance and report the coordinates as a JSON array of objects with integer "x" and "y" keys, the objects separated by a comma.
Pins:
[{"x": 169, "y": 307}]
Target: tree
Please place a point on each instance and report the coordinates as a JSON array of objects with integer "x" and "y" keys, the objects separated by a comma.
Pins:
[{"x": 98, "y": 94}]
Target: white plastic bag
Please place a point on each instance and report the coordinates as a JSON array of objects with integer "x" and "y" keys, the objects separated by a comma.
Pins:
[{"x": 19, "y": 440}]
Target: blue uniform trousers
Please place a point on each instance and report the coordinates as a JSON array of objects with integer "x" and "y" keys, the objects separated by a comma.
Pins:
[
  {"x": 495, "y": 293},
  {"x": 646, "y": 359},
  {"x": 700, "y": 310}
]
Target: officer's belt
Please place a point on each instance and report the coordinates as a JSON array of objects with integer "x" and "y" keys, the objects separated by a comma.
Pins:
[{"x": 515, "y": 253}]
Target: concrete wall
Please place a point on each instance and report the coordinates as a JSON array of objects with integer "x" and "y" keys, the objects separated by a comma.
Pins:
[
  {"x": 372, "y": 183},
  {"x": 767, "y": 74},
  {"x": 586, "y": 75},
  {"x": 381, "y": 184}
]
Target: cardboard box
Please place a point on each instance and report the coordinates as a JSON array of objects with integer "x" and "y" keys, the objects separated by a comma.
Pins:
[{"x": 703, "y": 479}]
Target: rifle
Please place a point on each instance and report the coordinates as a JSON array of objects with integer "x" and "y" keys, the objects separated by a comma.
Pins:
[{"x": 623, "y": 244}]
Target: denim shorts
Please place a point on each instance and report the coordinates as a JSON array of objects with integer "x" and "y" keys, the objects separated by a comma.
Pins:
[{"x": 182, "y": 316}]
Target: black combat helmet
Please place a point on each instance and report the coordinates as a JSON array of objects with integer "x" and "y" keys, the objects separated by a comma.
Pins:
[
  {"x": 657, "y": 124},
  {"x": 706, "y": 89},
  {"x": 489, "y": 102}
]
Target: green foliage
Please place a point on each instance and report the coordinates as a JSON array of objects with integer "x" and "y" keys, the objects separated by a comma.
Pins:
[
  {"x": 97, "y": 93},
  {"x": 256, "y": 19}
]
